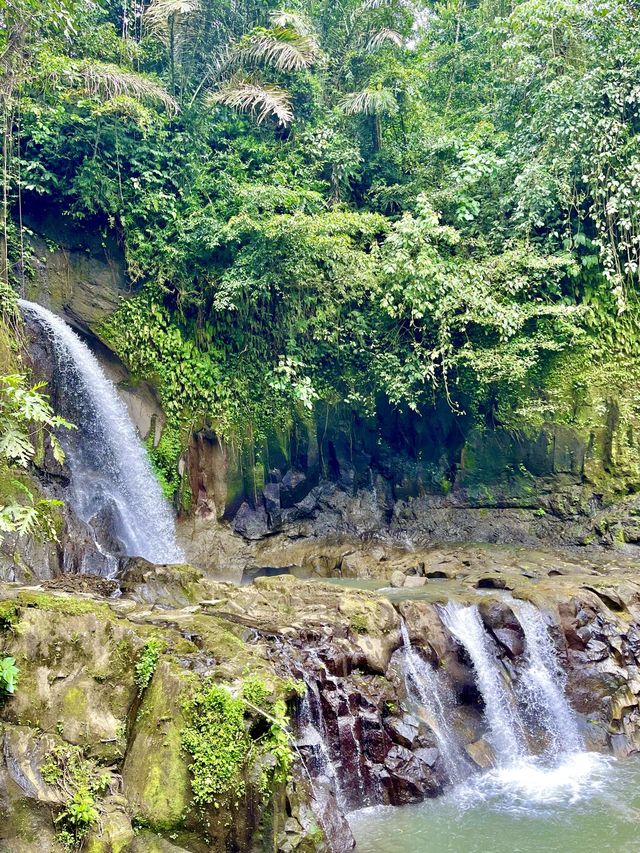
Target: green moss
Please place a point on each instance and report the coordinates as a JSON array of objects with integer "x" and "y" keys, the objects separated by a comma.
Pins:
[
  {"x": 359, "y": 623},
  {"x": 146, "y": 664},
  {"x": 219, "y": 739},
  {"x": 9, "y": 614},
  {"x": 155, "y": 774},
  {"x": 74, "y": 703},
  {"x": 67, "y": 605}
]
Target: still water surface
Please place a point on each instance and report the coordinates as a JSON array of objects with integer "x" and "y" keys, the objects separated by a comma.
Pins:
[{"x": 588, "y": 803}]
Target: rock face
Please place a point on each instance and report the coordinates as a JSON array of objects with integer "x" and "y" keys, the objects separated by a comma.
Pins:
[
  {"x": 337, "y": 476},
  {"x": 402, "y": 479},
  {"x": 107, "y": 686},
  {"x": 82, "y": 712},
  {"x": 76, "y": 274}
]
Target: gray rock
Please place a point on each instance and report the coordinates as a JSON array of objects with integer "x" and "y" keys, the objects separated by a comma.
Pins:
[
  {"x": 403, "y": 730},
  {"x": 397, "y": 579}
]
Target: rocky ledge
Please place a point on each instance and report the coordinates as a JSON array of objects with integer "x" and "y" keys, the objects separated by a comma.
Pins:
[{"x": 167, "y": 712}]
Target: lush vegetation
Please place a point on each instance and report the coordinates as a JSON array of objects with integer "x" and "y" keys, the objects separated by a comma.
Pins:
[
  {"x": 147, "y": 662},
  {"x": 27, "y": 421},
  {"x": 227, "y": 734},
  {"x": 81, "y": 782},
  {"x": 9, "y": 674},
  {"x": 345, "y": 200}
]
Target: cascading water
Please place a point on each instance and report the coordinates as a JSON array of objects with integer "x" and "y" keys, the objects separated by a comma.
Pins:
[
  {"x": 430, "y": 692},
  {"x": 111, "y": 477},
  {"x": 527, "y": 798},
  {"x": 351, "y": 771},
  {"x": 507, "y": 732},
  {"x": 313, "y": 734},
  {"x": 543, "y": 684}
]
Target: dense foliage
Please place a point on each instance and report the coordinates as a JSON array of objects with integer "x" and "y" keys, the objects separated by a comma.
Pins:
[
  {"x": 226, "y": 745},
  {"x": 343, "y": 200},
  {"x": 27, "y": 422}
]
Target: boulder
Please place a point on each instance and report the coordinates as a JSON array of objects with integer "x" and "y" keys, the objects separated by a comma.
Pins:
[{"x": 155, "y": 773}]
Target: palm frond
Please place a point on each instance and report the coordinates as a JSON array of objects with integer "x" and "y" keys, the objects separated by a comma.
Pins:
[
  {"x": 158, "y": 12},
  {"x": 369, "y": 102},
  {"x": 382, "y": 36},
  {"x": 281, "y": 47},
  {"x": 262, "y": 100},
  {"x": 291, "y": 20},
  {"x": 108, "y": 81}
]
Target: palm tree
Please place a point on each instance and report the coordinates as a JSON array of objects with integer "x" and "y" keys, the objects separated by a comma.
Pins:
[
  {"x": 235, "y": 76},
  {"x": 356, "y": 30}
]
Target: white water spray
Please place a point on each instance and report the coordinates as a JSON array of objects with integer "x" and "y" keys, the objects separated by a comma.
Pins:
[
  {"x": 543, "y": 683},
  {"x": 507, "y": 733},
  {"x": 111, "y": 474},
  {"x": 429, "y": 691}
]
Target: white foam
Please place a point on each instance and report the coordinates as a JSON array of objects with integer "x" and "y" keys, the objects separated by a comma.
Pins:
[{"x": 528, "y": 782}]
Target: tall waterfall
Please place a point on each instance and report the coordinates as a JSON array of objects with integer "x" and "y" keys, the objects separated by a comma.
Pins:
[
  {"x": 112, "y": 482},
  {"x": 428, "y": 690}
]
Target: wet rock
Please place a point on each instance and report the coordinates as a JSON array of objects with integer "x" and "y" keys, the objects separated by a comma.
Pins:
[
  {"x": 481, "y": 753},
  {"x": 596, "y": 650},
  {"x": 251, "y": 523},
  {"x": 170, "y": 586},
  {"x": 414, "y": 581},
  {"x": 293, "y": 487},
  {"x": 25, "y": 824},
  {"x": 25, "y": 751},
  {"x": 116, "y": 831},
  {"x": 397, "y": 579},
  {"x": 425, "y": 627},
  {"x": 155, "y": 773},
  {"x": 510, "y": 640},
  {"x": 403, "y": 730},
  {"x": 410, "y": 783},
  {"x": 375, "y": 740},
  {"x": 57, "y": 692},
  {"x": 271, "y": 494}
]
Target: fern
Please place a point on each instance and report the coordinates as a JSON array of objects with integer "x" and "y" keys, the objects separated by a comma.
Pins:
[{"x": 25, "y": 411}]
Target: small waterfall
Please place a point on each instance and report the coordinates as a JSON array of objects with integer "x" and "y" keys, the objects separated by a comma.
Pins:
[
  {"x": 430, "y": 692},
  {"x": 543, "y": 683},
  {"x": 112, "y": 483},
  {"x": 539, "y": 687},
  {"x": 313, "y": 733},
  {"x": 507, "y": 732},
  {"x": 355, "y": 793}
]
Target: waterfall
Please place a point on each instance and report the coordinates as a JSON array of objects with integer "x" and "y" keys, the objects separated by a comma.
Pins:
[
  {"x": 539, "y": 687},
  {"x": 429, "y": 691},
  {"x": 313, "y": 731},
  {"x": 350, "y": 772},
  {"x": 543, "y": 683},
  {"x": 112, "y": 482},
  {"x": 507, "y": 733}
]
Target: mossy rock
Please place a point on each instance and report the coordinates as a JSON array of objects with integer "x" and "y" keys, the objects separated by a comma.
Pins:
[
  {"x": 155, "y": 773},
  {"x": 67, "y": 658},
  {"x": 115, "y": 833},
  {"x": 148, "y": 842}
]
